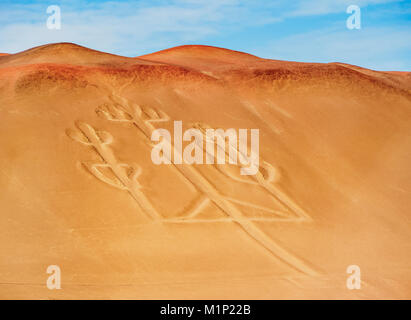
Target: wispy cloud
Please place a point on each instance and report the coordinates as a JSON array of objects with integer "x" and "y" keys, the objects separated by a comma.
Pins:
[
  {"x": 126, "y": 27},
  {"x": 321, "y": 7},
  {"x": 381, "y": 48}
]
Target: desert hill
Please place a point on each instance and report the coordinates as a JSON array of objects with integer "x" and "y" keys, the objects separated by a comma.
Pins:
[
  {"x": 79, "y": 188},
  {"x": 197, "y": 56},
  {"x": 66, "y": 53}
]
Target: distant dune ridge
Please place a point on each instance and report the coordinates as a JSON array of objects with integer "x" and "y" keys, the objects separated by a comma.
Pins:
[{"x": 79, "y": 189}]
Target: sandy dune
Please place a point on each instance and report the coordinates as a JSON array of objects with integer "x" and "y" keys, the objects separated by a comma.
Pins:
[{"x": 79, "y": 189}]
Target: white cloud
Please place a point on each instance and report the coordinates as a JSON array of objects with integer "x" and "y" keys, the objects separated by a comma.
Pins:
[{"x": 126, "y": 28}]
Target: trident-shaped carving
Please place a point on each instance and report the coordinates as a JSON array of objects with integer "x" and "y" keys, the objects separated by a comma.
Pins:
[
  {"x": 123, "y": 176},
  {"x": 141, "y": 116}
]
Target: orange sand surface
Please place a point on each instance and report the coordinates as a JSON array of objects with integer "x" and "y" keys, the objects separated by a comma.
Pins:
[{"x": 79, "y": 189}]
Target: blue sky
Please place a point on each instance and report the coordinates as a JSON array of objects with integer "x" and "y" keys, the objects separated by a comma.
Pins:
[{"x": 300, "y": 30}]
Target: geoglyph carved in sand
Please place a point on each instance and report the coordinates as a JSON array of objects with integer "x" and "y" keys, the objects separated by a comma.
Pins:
[{"x": 126, "y": 178}]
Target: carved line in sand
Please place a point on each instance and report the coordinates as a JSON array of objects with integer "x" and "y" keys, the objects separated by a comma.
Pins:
[
  {"x": 143, "y": 118},
  {"x": 266, "y": 177},
  {"x": 126, "y": 176}
]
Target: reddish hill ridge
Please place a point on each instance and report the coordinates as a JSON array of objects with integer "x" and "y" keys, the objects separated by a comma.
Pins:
[{"x": 214, "y": 62}]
